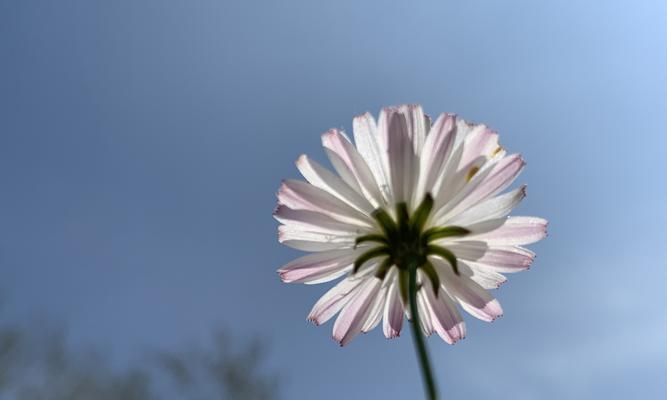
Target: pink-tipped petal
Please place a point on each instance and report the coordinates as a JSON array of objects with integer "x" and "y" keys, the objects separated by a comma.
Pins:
[
  {"x": 485, "y": 277},
  {"x": 402, "y": 167},
  {"x": 349, "y": 163},
  {"x": 457, "y": 184},
  {"x": 322, "y": 178},
  {"x": 319, "y": 267},
  {"x": 333, "y": 300},
  {"x": 300, "y": 195},
  {"x": 313, "y": 241},
  {"x": 486, "y": 183},
  {"x": 425, "y": 322},
  {"x": 393, "y": 312},
  {"x": 314, "y": 222},
  {"x": 493, "y": 208},
  {"x": 446, "y": 320},
  {"x": 489, "y": 312},
  {"x": 498, "y": 258},
  {"x": 377, "y": 309},
  {"x": 472, "y": 297},
  {"x": 352, "y": 317},
  {"x": 372, "y": 146},
  {"x": 435, "y": 153},
  {"x": 375, "y": 314},
  {"x": 516, "y": 231},
  {"x": 418, "y": 125},
  {"x": 480, "y": 141}
]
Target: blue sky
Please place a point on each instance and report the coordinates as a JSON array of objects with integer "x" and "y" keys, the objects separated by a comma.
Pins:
[{"x": 141, "y": 144}]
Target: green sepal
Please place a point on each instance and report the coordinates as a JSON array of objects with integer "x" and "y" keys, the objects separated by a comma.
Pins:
[
  {"x": 403, "y": 280},
  {"x": 369, "y": 255},
  {"x": 448, "y": 231},
  {"x": 421, "y": 214},
  {"x": 382, "y": 270},
  {"x": 370, "y": 238},
  {"x": 403, "y": 217},
  {"x": 446, "y": 254},
  {"x": 386, "y": 222},
  {"x": 429, "y": 270}
]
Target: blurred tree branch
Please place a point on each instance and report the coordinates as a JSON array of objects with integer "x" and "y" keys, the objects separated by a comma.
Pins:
[{"x": 36, "y": 364}]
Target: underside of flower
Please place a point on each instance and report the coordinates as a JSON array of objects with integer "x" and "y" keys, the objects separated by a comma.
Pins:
[
  {"x": 404, "y": 242},
  {"x": 409, "y": 200}
]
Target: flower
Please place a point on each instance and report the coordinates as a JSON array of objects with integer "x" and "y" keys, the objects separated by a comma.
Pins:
[{"x": 410, "y": 194}]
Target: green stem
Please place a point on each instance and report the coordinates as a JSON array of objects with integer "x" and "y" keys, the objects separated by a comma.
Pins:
[{"x": 418, "y": 336}]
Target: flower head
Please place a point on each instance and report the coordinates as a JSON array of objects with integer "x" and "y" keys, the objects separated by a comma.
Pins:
[{"x": 410, "y": 194}]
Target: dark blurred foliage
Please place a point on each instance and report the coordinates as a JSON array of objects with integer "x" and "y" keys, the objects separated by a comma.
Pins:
[{"x": 37, "y": 364}]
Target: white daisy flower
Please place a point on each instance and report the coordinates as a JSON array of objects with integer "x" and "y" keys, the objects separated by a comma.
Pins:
[{"x": 409, "y": 196}]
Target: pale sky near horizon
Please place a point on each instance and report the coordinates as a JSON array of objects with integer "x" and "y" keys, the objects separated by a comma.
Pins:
[{"x": 142, "y": 142}]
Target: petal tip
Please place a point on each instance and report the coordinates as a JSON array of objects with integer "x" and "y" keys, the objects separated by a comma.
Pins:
[
  {"x": 364, "y": 115},
  {"x": 284, "y": 276},
  {"x": 330, "y": 134},
  {"x": 278, "y": 209},
  {"x": 303, "y": 158},
  {"x": 496, "y": 317},
  {"x": 282, "y": 188},
  {"x": 393, "y": 335},
  {"x": 493, "y": 310},
  {"x": 341, "y": 341}
]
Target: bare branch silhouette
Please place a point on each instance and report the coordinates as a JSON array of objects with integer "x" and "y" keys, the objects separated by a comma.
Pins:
[{"x": 36, "y": 364}]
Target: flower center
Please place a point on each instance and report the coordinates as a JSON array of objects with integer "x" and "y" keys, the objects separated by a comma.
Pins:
[{"x": 405, "y": 243}]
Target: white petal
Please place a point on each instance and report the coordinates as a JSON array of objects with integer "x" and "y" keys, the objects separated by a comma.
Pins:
[
  {"x": 515, "y": 231},
  {"x": 351, "y": 319},
  {"x": 503, "y": 174},
  {"x": 499, "y": 258},
  {"x": 401, "y": 154},
  {"x": 427, "y": 128},
  {"x": 322, "y": 178},
  {"x": 333, "y": 300},
  {"x": 345, "y": 174},
  {"x": 486, "y": 183},
  {"x": 319, "y": 267},
  {"x": 375, "y": 314},
  {"x": 457, "y": 187},
  {"x": 373, "y": 148},
  {"x": 456, "y": 173},
  {"x": 418, "y": 125},
  {"x": 472, "y": 297},
  {"x": 445, "y": 318},
  {"x": 424, "y": 314},
  {"x": 393, "y": 312},
  {"x": 451, "y": 180},
  {"x": 485, "y": 277},
  {"x": 435, "y": 153},
  {"x": 480, "y": 141},
  {"x": 493, "y": 208},
  {"x": 300, "y": 195},
  {"x": 481, "y": 307},
  {"x": 455, "y": 170},
  {"x": 481, "y": 227},
  {"x": 352, "y": 164},
  {"x": 313, "y": 241},
  {"x": 315, "y": 222}
]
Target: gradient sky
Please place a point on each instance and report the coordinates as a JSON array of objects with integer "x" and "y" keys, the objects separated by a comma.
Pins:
[{"x": 142, "y": 142}]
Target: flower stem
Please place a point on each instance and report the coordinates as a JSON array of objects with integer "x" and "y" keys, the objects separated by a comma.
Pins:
[{"x": 418, "y": 336}]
